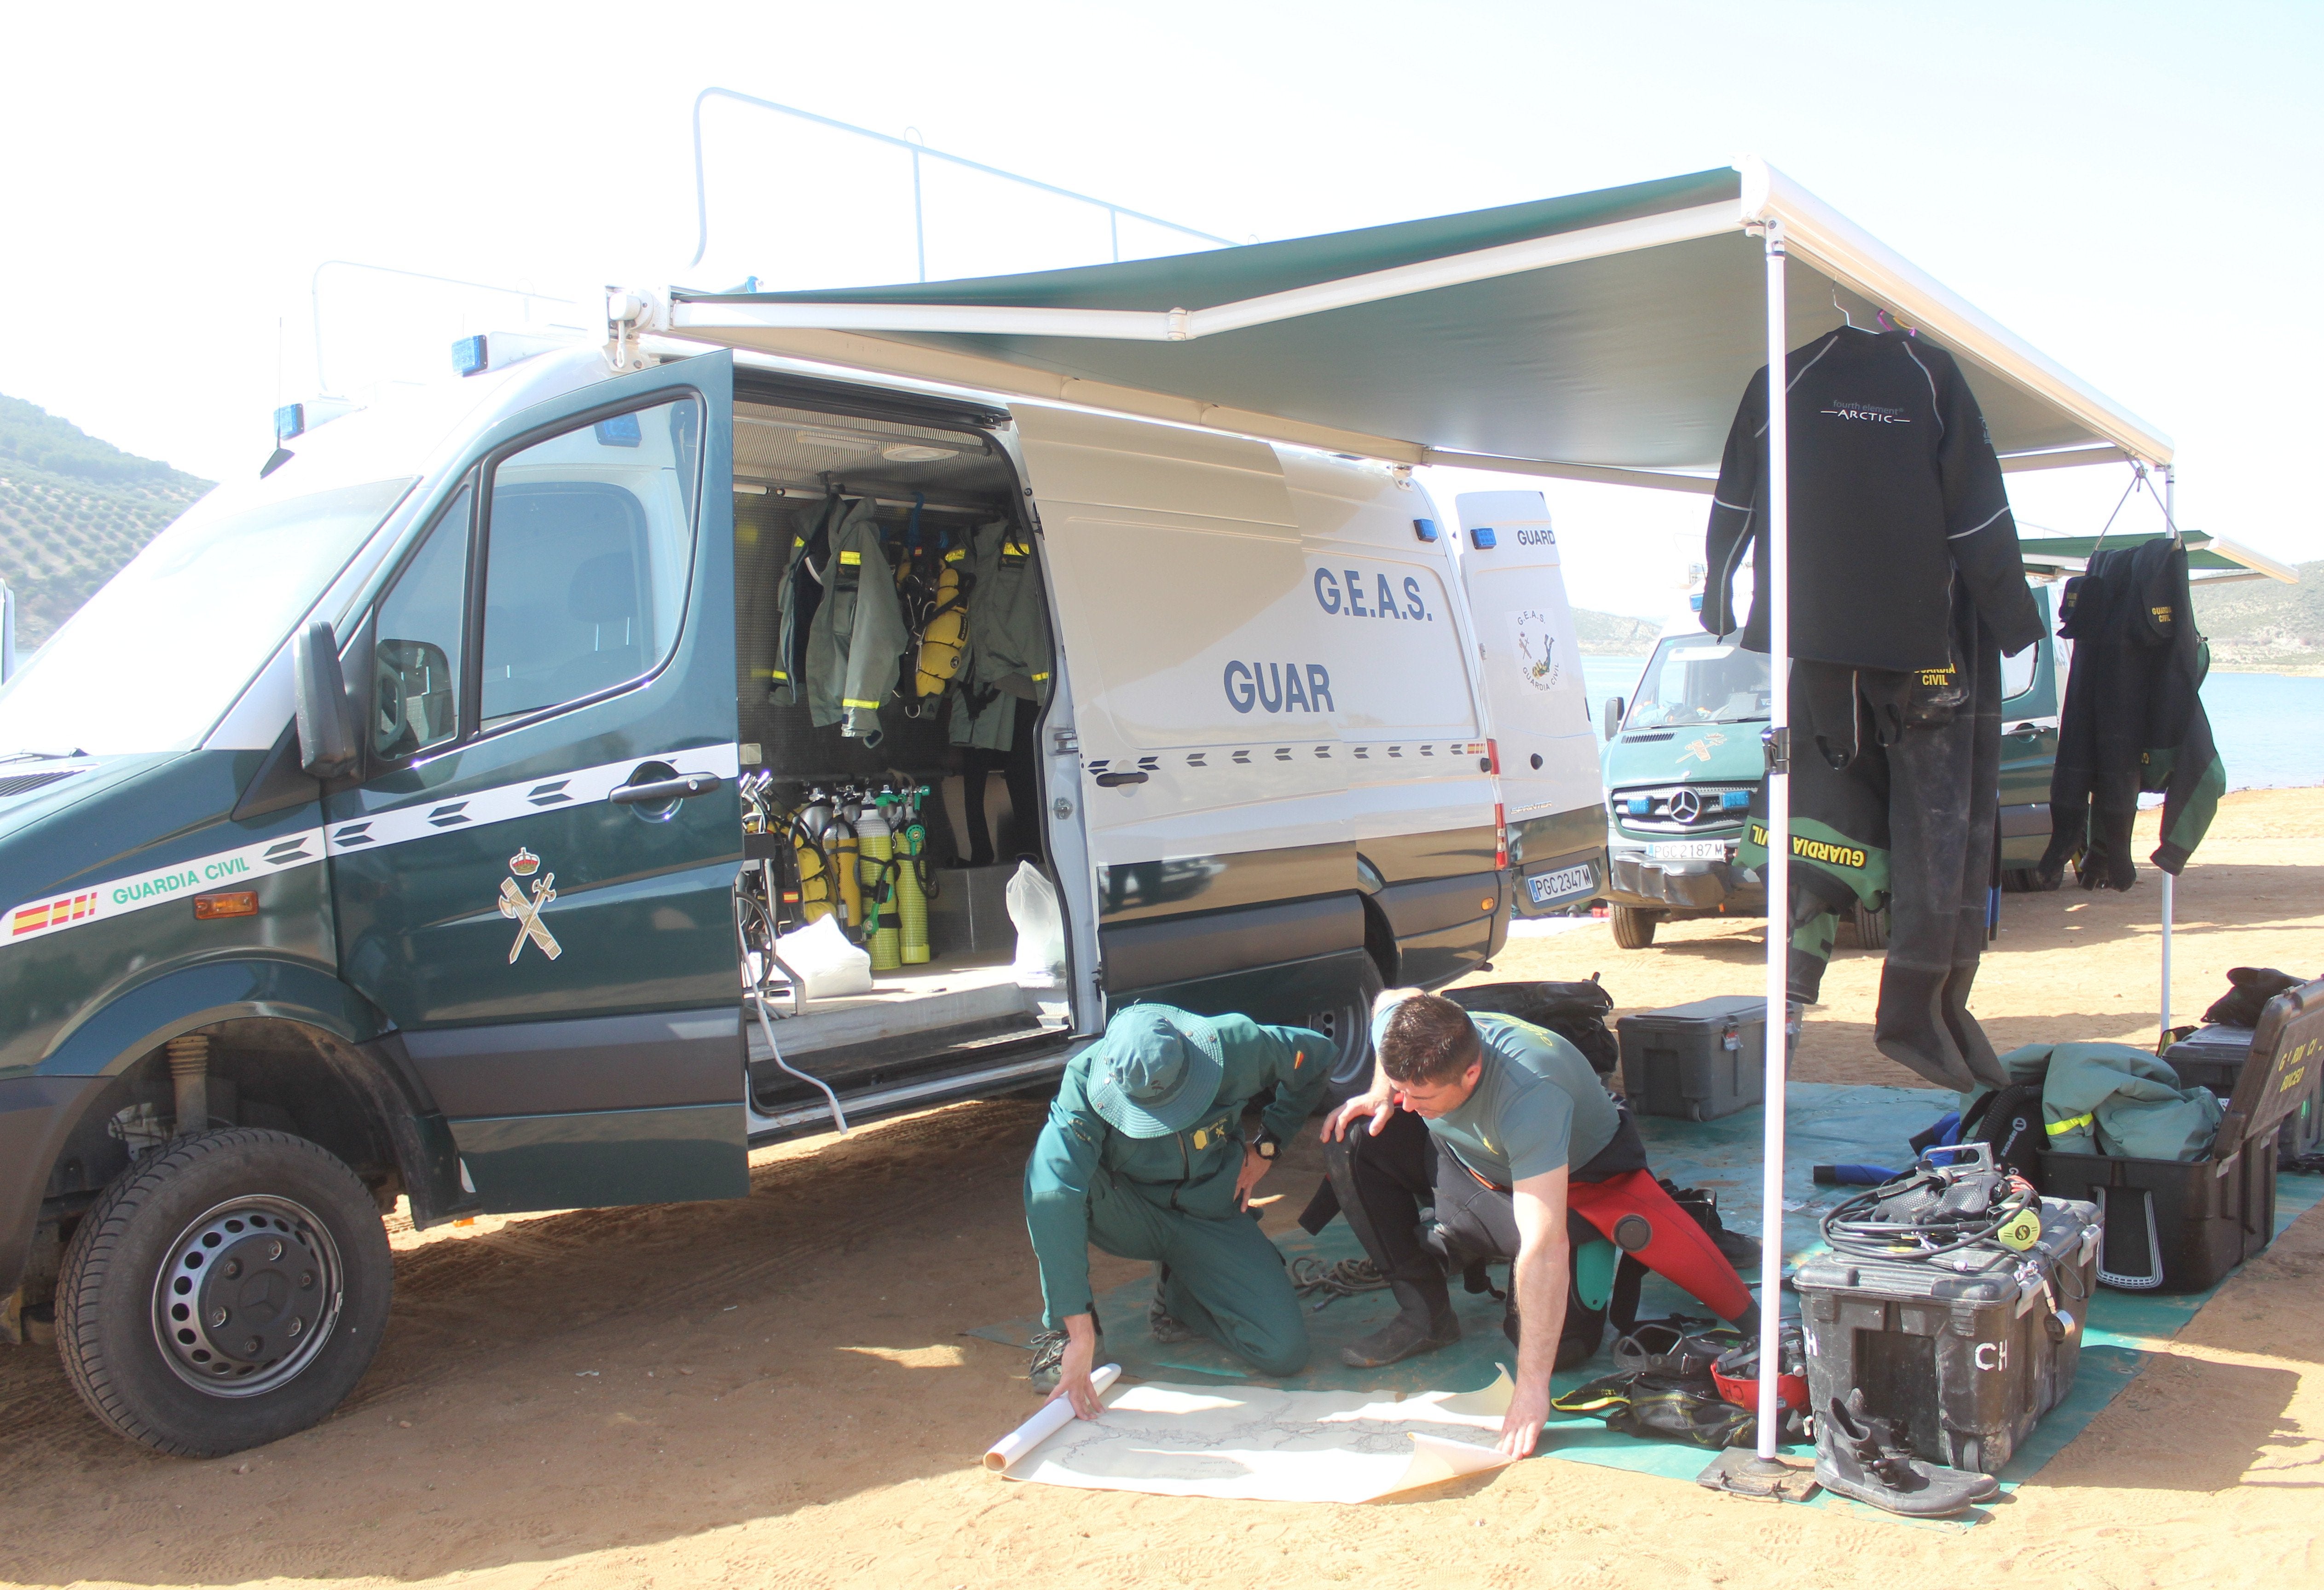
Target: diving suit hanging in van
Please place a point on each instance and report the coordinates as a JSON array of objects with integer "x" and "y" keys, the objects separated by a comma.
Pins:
[
  {"x": 1009, "y": 653},
  {"x": 799, "y": 594},
  {"x": 857, "y": 640}
]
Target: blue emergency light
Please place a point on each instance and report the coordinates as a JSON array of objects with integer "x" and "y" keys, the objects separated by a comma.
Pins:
[
  {"x": 620, "y": 431},
  {"x": 1640, "y": 805},
  {"x": 1426, "y": 529},
  {"x": 289, "y": 420},
  {"x": 1483, "y": 538},
  {"x": 470, "y": 354},
  {"x": 1734, "y": 800}
]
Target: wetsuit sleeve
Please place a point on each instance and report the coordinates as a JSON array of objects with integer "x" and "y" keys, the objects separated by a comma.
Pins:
[
  {"x": 1733, "y": 519},
  {"x": 1979, "y": 530},
  {"x": 1536, "y": 1131},
  {"x": 1057, "y": 1180}
]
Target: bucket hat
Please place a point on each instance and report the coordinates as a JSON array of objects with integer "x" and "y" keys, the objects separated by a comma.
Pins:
[{"x": 1156, "y": 1069}]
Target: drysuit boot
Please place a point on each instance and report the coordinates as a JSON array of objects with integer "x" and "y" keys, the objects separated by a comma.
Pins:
[
  {"x": 1976, "y": 1049},
  {"x": 1380, "y": 1200},
  {"x": 1422, "y": 1324},
  {"x": 1867, "y": 1458}
]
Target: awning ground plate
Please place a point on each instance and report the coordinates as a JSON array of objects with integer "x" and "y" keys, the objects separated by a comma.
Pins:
[{"x": 1739, "y": 1472}]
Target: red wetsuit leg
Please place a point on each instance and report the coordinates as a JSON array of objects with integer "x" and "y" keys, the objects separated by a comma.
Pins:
[{"x": 1680, "y": 1251}]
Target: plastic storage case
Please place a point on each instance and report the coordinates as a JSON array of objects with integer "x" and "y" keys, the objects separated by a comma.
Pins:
[
  {"x": 2182, "y": 1225},
  {"x": 1961, "y": 1349},
  {"x": 2213, "y": 1056},
  {"x": 1701, "y": 1061}
]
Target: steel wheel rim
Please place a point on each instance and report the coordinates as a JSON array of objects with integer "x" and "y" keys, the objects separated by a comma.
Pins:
[{"x": 247, "y": 1296}]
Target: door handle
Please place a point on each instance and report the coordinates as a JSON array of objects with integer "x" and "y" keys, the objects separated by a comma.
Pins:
[
  {"x": 1112, "y": 780},
  {"x": 685, "y": 786}
]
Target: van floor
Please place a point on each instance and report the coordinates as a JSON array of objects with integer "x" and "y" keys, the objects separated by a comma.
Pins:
[{"x": 907, "y": 1017}]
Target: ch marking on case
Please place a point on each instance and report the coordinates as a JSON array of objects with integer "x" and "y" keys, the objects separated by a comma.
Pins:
[{"x": 526, "y": 913}]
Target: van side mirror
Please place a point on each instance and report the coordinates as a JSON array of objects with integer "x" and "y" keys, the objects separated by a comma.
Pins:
[
  {"x": 1611, "y": 719},
  {"x": 327, "y": 719}
]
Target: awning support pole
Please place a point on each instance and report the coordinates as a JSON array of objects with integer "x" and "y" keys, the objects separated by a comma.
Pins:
[
  {"x": 2170, "y": 521},
  {"x": 1777, "y": 535}
]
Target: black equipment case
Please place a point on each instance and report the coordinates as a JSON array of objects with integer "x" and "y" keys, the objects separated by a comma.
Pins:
[
  {"x": 2213, "y": 1056},
  {"x": 1968, "y": 1350},
  {"x": 1700, "y": 1060},
  {"x": 2182, "y": 1225}
]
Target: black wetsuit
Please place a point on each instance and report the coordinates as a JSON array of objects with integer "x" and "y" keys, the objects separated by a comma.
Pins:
[{"x": 1907, "y": 587}]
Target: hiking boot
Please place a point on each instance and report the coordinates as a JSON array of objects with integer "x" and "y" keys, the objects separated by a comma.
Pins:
[
  {"x": 1049, "y": 1358},
  {"x": 1865, "y": 1458},
  {"x": 1418, "y": 1327}
]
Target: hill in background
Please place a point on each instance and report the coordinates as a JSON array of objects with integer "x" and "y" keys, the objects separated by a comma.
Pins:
[
  {"x": 2264, "y": 625},
  {"x": 72, "y": 511},
  {"x": 1613, "y": 634}
]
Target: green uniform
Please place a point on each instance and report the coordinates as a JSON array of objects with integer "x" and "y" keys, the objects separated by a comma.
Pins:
[
  {"x": 858, "y": 639},
  {"x": 1009, "y": 655},
  {"x": 1172, "y": 1199}
]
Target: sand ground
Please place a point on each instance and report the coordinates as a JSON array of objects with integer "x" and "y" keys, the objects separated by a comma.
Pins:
[{"x": 775, "y": 1390}]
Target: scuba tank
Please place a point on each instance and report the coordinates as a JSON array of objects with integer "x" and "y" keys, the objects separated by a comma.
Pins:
[
  {"x": 911, "y": 883},
  {"x": 943, "y": 638},
  {"x": 843, "y": 849},
  {"x": 875, "y": 868},
  {"x": 806, "y": 827}
]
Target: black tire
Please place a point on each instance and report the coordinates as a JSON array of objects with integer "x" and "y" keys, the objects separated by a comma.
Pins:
[
  {"x": 1350, "y": 1026},
  {"x": 303, "y": 1221},
  {"x": 1634, "y": 926},
  {"x": 1871, "y": 927},
  {"x": 2027, "y": 881}
]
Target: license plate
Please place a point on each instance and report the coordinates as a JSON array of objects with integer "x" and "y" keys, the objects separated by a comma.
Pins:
[
  {"x": 1545, "y": 886},
  {"x": 1688, "y": 850}
]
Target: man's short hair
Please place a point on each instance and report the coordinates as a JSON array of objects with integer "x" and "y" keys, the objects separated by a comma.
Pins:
[{"x": 1429, "y": 1039}]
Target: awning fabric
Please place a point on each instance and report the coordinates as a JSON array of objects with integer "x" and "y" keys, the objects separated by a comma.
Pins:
[{"x": 1612, "y": 331}]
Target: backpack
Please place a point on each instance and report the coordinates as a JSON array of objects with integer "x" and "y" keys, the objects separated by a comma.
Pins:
[{"x": 1575, "y": 1012}]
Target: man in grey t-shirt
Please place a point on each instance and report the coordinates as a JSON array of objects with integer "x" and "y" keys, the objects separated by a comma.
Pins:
[{"x": 1504, "y": 1127}]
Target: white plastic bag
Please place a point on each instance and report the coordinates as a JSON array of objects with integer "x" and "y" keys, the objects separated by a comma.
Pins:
[
  {"x": 1040, "y": 927},
  {"x": 826, "y": 964}
]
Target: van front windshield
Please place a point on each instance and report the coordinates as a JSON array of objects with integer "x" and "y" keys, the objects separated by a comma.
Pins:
[
  {"x": 158, "y": 656},
  {"x": 1696, "y": 679}
]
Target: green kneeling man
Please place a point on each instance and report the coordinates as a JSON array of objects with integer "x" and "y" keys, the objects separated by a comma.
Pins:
[{"x": 1144, "y": 1157}]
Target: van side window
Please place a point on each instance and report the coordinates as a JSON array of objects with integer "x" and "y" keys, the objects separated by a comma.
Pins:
[
  {"x": 2017, "y": 672},
  {"x": 588, "y": 550},
  {"x": 416, "y": 659}
]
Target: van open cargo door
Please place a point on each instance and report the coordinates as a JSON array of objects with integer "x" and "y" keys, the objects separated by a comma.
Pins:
[{"x": 1537, "y": 710}]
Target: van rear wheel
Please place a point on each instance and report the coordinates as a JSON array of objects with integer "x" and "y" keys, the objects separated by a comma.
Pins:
[
  {"x": 1634, "y": 926},
  {"x": 227, "y": 1291},
  {"x": 1349, "y": 1027},
  {"x": 1871, "y": 927}
]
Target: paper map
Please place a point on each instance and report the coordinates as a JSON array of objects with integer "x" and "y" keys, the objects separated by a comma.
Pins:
[{"x": 1255, "y": 1443}]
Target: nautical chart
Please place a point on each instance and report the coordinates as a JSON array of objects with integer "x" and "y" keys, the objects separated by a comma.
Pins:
[{"x": 1255, "y": 1443}]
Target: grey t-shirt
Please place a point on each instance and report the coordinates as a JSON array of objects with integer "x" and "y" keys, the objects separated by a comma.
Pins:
[{"x": 1537, "y": 1105}]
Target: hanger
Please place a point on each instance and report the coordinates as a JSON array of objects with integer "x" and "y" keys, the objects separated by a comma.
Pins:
[{"x": 1844, "y": 315}]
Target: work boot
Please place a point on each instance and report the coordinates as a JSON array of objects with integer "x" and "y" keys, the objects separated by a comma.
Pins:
[
  {"x": 1968, "y": 1036},
  {"x": 1422, "y": 1324},
  {"x": 1049, "y": 1358},
  {"x": 1166, "y": 1326},
  {"x": 1865, "y": 1458}
]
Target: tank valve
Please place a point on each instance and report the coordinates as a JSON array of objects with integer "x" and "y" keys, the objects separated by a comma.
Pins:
[{"x": 189, "y": 1073}]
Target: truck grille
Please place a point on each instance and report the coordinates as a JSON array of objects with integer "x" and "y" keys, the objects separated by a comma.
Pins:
[{"x": 1707, "y": 810}]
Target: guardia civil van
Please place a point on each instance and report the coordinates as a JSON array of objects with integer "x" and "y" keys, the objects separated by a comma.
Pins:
[
  {"x": 1682, "y": 761},
  {"x": 408, "y": 826}
]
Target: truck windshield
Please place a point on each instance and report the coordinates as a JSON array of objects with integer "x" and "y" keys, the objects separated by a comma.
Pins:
[
  {"x": 1696, "y": 679},
  {"x": 159, "y": 654}
]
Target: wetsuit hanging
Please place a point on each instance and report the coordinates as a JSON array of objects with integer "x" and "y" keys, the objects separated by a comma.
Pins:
[
  {"x": 1907, "y": 585},
  {"x": 857, "y": 641},
  {"x": 801, "y": 595}
]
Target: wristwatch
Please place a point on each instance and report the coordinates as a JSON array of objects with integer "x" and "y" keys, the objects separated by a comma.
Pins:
[{"x": 1267, "y": 1143}]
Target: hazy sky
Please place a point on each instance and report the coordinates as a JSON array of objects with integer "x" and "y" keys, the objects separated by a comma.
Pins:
[{"x": 2124, "y": 185}]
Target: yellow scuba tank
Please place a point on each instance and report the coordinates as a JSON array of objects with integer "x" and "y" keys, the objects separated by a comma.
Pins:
[
  {"x": 807, "y": 826},
  {"x": 876, "y": 869},
  {"x": 844, "y": 850},
  {"x": 945, "y": 637},
  {"x": 911, "y": 894}
]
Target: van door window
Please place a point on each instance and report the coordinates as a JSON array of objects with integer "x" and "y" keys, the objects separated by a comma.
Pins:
[
  {"x": 415, "y": 660},
  {"x": 2017, "y": 673},
  {"x": 588, "y": 550}
]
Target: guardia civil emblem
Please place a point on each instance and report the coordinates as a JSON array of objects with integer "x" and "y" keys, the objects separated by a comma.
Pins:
[
  {"x": 1537, "y": 650},
  {"x": 524, "y": 911}
]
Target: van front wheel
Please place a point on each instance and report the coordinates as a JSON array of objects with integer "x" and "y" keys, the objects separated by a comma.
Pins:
[
  {"x": 227, "y": 1291},
  {"x": 1634, "y": 926}
]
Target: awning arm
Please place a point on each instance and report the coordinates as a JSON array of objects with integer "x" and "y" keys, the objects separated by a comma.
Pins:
[{"x": 1838, "y": 248}]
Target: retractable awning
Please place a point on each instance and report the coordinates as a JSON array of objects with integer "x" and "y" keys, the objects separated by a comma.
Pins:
[{"x": 1601, "y": 336}]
